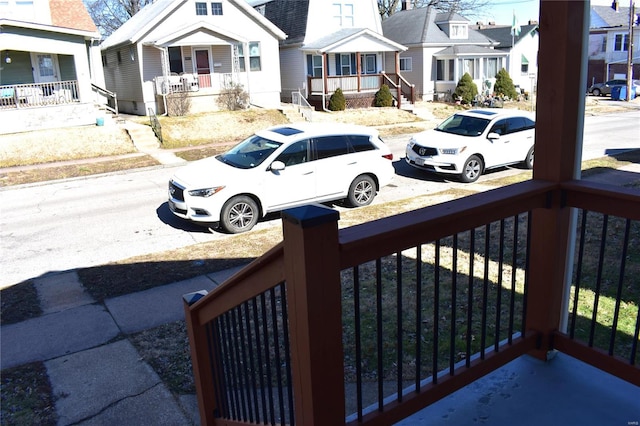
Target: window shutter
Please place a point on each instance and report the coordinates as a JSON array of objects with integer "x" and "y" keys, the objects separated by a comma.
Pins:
[
  {"x": 354, "y": 66},
  {"x": 338, "y": 64},
  {"x": 310, "y": 65}
]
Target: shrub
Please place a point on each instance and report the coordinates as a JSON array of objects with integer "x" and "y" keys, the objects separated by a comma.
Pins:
[
  {"x": 233, "y": 97},
  {"x": 383, "y": 97},
  {"x": 337, "y": 102},
  {"x": 466, "y": 90},
  {"x": 504, "y": 85},
  {"x": 178, "y": 104}
]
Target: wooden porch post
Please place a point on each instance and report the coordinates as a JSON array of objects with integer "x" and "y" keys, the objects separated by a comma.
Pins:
[
  {"x": 564, "y": 26},
  {"x": 312, "y": 271}
]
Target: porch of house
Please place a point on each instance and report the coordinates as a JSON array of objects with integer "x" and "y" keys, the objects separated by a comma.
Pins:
[{"x": 517, "y": 305}]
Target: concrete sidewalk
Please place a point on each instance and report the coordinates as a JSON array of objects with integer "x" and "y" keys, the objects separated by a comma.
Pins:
[{"x": 96, "y": 374}]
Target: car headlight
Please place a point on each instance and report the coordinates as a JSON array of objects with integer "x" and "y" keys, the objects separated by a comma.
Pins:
[
  {"x": 411, "y": 143},
  {"x": 205, "y": 192}
]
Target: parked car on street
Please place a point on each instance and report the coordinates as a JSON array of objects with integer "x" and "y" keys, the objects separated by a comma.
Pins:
[
  {"x": 470, "y": 142},
  {"x": 282, "y": 167},
  {"x": 599, "y": 89}
]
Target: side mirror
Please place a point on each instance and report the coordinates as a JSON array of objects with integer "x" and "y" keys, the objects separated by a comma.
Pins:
[
  {"x": 276, "y": 166},
  {"x": 493, "y": 136}
]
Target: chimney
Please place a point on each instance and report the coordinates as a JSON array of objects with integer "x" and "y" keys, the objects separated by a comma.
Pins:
[
  {"x": 406, "y": 4},
  {"x": 615, "y": 6}
]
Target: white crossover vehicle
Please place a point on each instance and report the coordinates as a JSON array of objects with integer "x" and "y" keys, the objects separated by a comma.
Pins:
[
  {"x": 470, "y": 142},
  {"x": 281, "y": 167}
]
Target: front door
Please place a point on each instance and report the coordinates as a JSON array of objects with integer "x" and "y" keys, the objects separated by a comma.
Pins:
[
  {"x": 45, "y": 68},
  {"x": 202, "y": 62}
]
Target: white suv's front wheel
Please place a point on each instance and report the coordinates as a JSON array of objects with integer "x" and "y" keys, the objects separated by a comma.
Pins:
[
  {"x": 472, "y": 169},
  {"x": 239, "y": 214}
]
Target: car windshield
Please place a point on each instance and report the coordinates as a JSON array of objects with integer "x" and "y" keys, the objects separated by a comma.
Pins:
[
  {"x": 463, "y": 125},
  {"x": 249, "y": 153}
]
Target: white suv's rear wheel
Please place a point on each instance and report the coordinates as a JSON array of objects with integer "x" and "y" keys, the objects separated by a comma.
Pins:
[
  {"x": 362, "y": 191},
  {"x": 239, "y": 214},
  {"x": 472, "y": 169}
]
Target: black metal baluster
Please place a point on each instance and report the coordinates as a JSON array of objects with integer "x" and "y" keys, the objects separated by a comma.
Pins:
[
  {"x": 485, "y": 289},
  {"x": 496, "y": 343},
  {"x": 472, "y": 252},
  {"x": 454, "y": 282},
  {"x": 436, "y": 314},
  {"x": 418, "y": 315},
  {"x": 603, "y": 245},
  {"x": 576, "y": 293},
  {"x": 358, "y": 336},
  {"x": 399, "y": 323},
  {"x": 623, "y": 262},
  {"x": 379, "y": 331}
]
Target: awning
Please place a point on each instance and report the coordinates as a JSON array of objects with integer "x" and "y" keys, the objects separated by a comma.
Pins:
[{"x": 524, "y": 60}]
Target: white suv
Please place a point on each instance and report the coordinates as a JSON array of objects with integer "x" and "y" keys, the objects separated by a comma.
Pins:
[
  {"x": 282, "y": 167},
  {"x": 470, "y": 142}
]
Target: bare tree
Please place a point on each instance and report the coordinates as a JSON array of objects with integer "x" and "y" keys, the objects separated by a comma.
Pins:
[
  {"x": 468, "y": 8},
  {"x": 109, "y": 15}
]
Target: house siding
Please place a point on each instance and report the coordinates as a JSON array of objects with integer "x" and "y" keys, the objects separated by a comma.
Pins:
[
  {"x": 294, "y": 75},
  {"x": 321, "y": 20},
  {"x": 124, "y": 78}
]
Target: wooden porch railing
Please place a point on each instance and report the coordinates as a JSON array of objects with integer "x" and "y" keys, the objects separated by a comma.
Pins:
[
  {"x": 328, "y": 306},
  {"x": 38, "y": 94}
]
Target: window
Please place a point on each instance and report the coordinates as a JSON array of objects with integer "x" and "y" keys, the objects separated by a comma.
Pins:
[
  {"x": 201, "y": 8},
  {"x": 294, "y": 154},
  {"x": 440, "y": 67},
  {"x": 344, "y": 64},
  {"x": 254, "y": 56},
  {"x": 491, "y": 67},
  {"x": 469, "y": 66},
  {"x": 104, "y": 60},
  {"x": 175, "y": 60},
  {"x": 119, "y": 56},
  {"x": 458, "y": 31},
  {"x": 314, "y": 65},
  {"x": 216, "y": 8},
  {"x": 445, "y": 69},
  {"x": 603, "y": 48},
  {"x": 405, "y": 64},
  {"x": 368, "y": 63},
  {"x": 331, "y": 146},
  {"x": 621, "y": 43},
  {"x": 343, "y": 14},
  {"x": 361, "y": 143}
]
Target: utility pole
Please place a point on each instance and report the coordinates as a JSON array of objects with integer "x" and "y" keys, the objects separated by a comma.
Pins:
[{"x": 632, "y": 16}]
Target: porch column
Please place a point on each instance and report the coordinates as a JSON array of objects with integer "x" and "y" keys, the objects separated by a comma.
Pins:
[
  {"x": 358, "y": 69},
  {"x": 325, "y": 74},
  {"x": 564, "y": 29},
  {"x": 314, "y": 299}
]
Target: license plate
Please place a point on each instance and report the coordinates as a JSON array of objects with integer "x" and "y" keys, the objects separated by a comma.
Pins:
[{"x": 420, "y": 161}]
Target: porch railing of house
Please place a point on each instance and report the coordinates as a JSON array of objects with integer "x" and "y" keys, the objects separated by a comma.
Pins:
[
  {"x": 38, "y": 94},
  {"x": 346, "y": 83},
  {"x": 409, "y": 308},
  {"x": 400, "y": 87},
  {"x": 112, "y": 98},
  {"x": 195, "y": 82},
  {"x": 302, "y": 105}
]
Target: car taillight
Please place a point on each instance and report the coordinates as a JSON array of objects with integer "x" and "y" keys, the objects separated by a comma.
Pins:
[{"x": 388, "y": 156}]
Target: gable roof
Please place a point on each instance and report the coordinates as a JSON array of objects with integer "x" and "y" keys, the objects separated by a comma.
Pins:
[
  {"x": 332, "y": 42},
  {"x": 502, "y": 34},
  {"x": 420, "y": 27},
  {"x": 290, "y": 16},
  {"x": 606, "y": 17},
  {"x": 71, "y": 14},
  {"x": 468, "y": 50},
  {"x": 146, "y": 19}
]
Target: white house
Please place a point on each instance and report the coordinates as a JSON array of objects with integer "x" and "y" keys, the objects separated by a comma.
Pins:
[
  {"x": 443, "y": 46},
  {"x": 335, "y": 44},
  {"x": 193, "y": 48}
]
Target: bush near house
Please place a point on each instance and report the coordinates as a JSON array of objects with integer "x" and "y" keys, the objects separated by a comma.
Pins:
[
  {"x": 233, "y": 97},
  {"x": 383, "y": 97},
  {"x": 337, "y": 102},
  {"x": 504, "y": 85},
  {"x": 466, "y": 90},
  {"x": 178, "y": 104}
]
